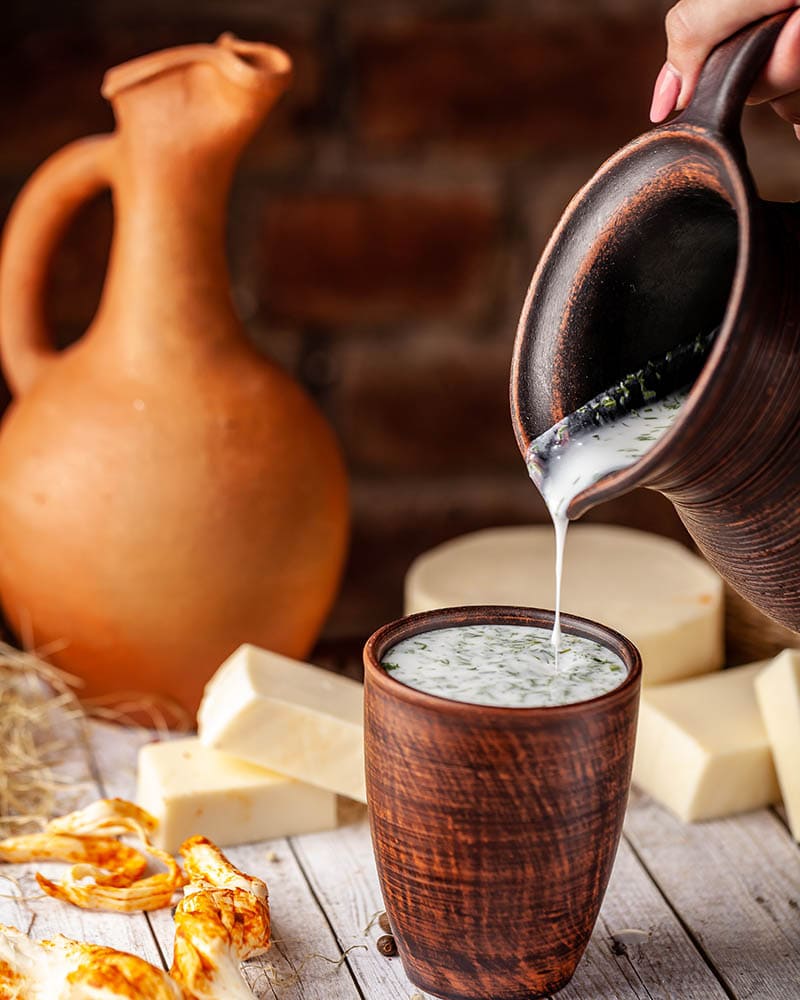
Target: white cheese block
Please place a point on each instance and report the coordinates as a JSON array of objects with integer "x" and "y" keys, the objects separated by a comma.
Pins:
[
  {"x": 668, "y": 601},
  {"x": 702, "y": 749},
  {"x": 288, "y": 716},
  {"x": 778, "y": 693},
  {"x": 192, "y": 789}
]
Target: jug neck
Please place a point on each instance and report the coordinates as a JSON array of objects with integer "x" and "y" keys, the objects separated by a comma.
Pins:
[
  {"x": 184, "y": 116},
  {"x": 168, "y": 281}
]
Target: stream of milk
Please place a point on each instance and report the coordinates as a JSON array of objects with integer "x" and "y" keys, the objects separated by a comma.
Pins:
[{"x": 563, "y": 463}]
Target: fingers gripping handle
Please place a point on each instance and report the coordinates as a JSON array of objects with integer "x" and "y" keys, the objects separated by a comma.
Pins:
[
  {"x": 729, "y": 74},
  {"x": 36, "y": 225}
]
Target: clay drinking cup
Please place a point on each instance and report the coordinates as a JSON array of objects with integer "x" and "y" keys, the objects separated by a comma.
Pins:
[{"x": 494, "y": 829}]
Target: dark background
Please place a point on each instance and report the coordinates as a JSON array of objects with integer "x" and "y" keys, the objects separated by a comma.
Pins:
[{"x": 385, "y": 223}]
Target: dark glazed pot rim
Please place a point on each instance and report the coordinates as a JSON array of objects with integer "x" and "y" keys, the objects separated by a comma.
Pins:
[
  {"x": 705, "y": 391},
  {"x": 487, "y": 614},
  {"x": 705, "y": 394}
]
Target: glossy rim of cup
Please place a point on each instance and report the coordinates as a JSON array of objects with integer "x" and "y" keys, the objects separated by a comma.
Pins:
[{"x": 492, "y": 614}]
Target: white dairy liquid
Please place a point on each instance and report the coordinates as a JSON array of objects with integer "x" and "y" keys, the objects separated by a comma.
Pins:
[
  {"x": 510, "y": 666},
  {"x": 563, "y": 465},
  {"x": 560, "y": 525}
]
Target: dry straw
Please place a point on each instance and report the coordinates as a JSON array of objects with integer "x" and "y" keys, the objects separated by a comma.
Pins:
[{"x": 40, "y": 717}]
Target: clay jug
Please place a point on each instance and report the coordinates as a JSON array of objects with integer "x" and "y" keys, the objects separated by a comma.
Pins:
[
  {"x": 668, "y": 240},
  {"x": 166, "y": 493}
]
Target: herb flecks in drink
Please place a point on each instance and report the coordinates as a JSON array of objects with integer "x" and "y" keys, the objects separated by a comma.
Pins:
[
  {"x": 511, "y": 666},
  {"x": 565, "y": 464},
  {"x": 610, "y": 433}
]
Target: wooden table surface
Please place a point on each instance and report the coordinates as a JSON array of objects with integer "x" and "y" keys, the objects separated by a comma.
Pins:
[{"x": 693, "y": 912}]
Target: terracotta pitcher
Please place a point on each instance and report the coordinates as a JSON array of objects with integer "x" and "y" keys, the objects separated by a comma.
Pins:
[
  {"x": 166, "y": 493},
  {"x": 669, "y": 240}
]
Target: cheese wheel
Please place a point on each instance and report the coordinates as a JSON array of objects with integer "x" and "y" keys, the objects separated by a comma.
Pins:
[{"x": 653, "y": 590}]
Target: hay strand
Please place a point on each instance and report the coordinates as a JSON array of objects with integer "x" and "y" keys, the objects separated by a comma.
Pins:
[
  {"x": 41, "y": 718},
  {"x": 39, "y": 713}
]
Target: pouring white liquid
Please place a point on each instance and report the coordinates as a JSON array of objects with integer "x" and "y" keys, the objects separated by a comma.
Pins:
[{"x": 563, "y": 465}]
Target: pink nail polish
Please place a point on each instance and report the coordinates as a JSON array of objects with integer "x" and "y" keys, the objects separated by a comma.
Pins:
[{"x": 665, "y": 93}]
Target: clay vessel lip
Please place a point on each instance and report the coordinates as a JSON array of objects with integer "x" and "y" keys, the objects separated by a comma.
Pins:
[
  {"x": 688, "y": 134},
  {"x": 627, "y": 479},
  {"x": 622, "y": 481},
  {"x": 485, "y": 614},
  {"x": 250, "y": 65}
]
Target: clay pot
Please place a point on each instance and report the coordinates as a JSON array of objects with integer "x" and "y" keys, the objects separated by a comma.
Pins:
[
  {"x": 166, "y": 493},
  {"x": 495, "y": 829},
  {"x": 667, "y": 241}
]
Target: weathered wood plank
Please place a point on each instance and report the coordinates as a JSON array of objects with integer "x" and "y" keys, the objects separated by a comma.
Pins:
[
  {"x": 43, "y": 917},
  {"x": 341, "y": 869},
  {"x": 305, "y": 962},
  {"x": 619, "y": 963},
  {"x": 646, "y": 939},
  {"x": 736, "y": 886},
  {"x": 114, "y": 753}
]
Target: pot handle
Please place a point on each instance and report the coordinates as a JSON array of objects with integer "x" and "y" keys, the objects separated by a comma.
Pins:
[
  {"x": 37, "y": 222},
  {"x": 729, "y": 74}
]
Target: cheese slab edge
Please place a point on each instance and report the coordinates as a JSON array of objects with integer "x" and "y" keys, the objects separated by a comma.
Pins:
[
  {"x": 667, "y": 600},
  {"x": 778, "y": 693},
  {"x": 288, "y": 716},
  {"x": 702, "y": 749},
  {"x": 192, "y": 789}
]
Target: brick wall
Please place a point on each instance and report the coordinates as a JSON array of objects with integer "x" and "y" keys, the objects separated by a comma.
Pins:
[{"x": 385, "y": 222}]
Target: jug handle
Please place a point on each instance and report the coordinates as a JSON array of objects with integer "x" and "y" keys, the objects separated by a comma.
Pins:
[
  {"x": 37, "y": 222},
  {"x": 729, "y": 74}
]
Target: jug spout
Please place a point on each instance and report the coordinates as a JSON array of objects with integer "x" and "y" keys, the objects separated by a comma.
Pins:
[{"x": 219, "y": 92}]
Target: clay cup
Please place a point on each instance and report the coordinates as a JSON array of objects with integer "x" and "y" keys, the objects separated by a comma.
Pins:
[{"x": 494, "y": 829}]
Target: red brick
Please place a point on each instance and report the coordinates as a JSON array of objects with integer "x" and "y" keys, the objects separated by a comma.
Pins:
[
  {"x": 78, "y": 271},
  {"x": 511, "y": 85},
  {"x": 78, "y": 267},
  {"x": 426, "y": 404},
  {"x": 367, "y": 257}
]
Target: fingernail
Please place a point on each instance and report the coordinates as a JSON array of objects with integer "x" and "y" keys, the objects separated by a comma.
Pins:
[{"x": 665, "y": 93}]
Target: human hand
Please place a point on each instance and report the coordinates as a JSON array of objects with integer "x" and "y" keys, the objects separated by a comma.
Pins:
[{"x": 694, "y": 27}]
